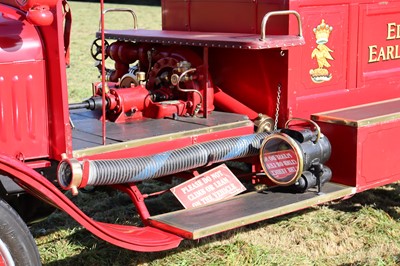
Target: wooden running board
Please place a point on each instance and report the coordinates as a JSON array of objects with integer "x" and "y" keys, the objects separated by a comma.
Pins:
[{"x": 242, "y": 210}]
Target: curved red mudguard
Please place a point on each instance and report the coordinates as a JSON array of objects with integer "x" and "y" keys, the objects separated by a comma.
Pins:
[{"x": 143, "y": 239}]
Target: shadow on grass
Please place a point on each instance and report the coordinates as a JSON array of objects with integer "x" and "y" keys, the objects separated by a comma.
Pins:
[
  {"x": 385, "y": 198},
  {"x": 127, "y": 2},
  {"x": 97, "y": 252},
  {"x": 103, "y": 206}
]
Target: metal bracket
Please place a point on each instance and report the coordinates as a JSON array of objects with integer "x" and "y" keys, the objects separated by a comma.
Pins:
[{"x": 317, "y": 128}]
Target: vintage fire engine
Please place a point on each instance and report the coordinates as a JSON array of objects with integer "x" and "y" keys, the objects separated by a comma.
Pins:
[{"x": 300, "y": 96}]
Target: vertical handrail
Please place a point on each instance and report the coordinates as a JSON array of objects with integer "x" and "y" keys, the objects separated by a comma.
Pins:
[{"x": 103, "y": 73}]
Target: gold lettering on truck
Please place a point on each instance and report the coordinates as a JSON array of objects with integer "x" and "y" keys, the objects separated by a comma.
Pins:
[
  {"x": 385, "y": 53},
  {"x": 391, "y": 30},
  {"x": 322, "y": 53}
]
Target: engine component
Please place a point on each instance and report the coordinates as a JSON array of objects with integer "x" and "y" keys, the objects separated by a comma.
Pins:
[
  {"x": 128, "y": 103},
  {"x": 264, "y": 123},
  {"x": 311, "y": 179},
  {"x": 161, "y": 72},
  {"x": 72, "y": 174},
  {"x": 93, "y": 103},
  {"x": 174, "y": 80},
  {"x": 135, "y": 102},
  {"x": 96, "y": 49},
  {"x": 184, "y": 76},
  {"x": 121, "y": 104},
  {"x": 286, "y": 155},
  {"x": 128, "y": 80}
]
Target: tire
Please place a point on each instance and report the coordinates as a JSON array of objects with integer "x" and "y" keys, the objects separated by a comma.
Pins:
[
  {"x": 29, "y": 208},
  {"x": 17, "y": 246}
]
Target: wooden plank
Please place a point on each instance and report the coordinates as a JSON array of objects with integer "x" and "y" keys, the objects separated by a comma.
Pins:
[
  {"x": 362, "y": 115},
  {"x": 242, "y": 210}
]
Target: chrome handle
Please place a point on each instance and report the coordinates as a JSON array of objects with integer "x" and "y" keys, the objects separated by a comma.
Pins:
[
  {"x": 122, "y": 10},
  {"x": 280, "y": 13}
]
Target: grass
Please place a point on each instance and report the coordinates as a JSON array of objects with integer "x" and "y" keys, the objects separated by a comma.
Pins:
[
  {"x": 84, "y": 26},
  {"x": 364, "y": 230}
]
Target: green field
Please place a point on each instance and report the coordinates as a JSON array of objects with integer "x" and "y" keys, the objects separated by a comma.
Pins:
[
  {"x": 363, "y": 230},
  {"x": 84, "y": 26}
]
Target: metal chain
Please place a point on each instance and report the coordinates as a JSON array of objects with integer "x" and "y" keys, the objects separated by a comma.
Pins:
[
  {"x": 149, "y": 57},
  {"x": 278, "y": 102}
]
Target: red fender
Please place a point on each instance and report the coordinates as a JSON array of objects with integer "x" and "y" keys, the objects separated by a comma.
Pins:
[{"x": 144, "y": 239}]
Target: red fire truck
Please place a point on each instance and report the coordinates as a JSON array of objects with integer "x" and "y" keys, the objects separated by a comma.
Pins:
[{"x": 300, "y": 96}]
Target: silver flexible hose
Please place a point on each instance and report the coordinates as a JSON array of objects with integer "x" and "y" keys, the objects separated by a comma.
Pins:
[{"x": 119, "y": 171}]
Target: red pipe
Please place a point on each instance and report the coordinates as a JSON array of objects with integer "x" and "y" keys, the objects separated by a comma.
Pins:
[{"x": 227, "y": 103}]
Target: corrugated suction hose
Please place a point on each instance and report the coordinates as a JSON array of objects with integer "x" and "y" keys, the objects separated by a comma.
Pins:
[{"x": 119, "y": 171}]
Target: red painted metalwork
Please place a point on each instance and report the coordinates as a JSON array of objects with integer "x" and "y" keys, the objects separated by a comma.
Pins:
[
  {"x": 255, "y": 84},
  {"x": 23, "y": 96},
  {"x": 59, "y": 129},
  {"x": 360, "y": 145},
  {"x": 354, "y": 80},
  {"x": 104, "y": 89},
  {"x": 27, "y": 4},
  {"x": 40, "y": 16},
  {"x": 20, "y": 40},
  {"x": 67, "y": 30},
  {"x": 132, "y": 99},
  {"x": 237, "y": 16},
  {"x": 130, "y": 237},
  {"x": 206, "y": 84},
  {"x": 135, "y": 102},
  {"x": 203, "y": 60},
  {"x": 229, "y": 104},
  {"x": 138, "y": 199}
]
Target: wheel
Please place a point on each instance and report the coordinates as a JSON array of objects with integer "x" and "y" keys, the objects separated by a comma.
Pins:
[
  {"x": 30, "y": 209},
  {"x": 96, "y": 49},
  {"x": 17, "y": 246}
]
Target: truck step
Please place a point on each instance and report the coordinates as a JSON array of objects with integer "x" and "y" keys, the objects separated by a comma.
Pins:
[
  {"x": 242, "y": 210},
  {"x": 365, "y": 143}
]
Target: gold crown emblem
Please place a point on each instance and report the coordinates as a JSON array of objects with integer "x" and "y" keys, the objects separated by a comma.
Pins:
[{"x": 322, "y": 32}]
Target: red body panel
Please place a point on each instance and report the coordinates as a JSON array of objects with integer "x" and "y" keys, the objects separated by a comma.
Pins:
[
  {"x": 253, "y": 76},
  {"x": 357, "y": 25},
  {"x": 23, "y": 96},
  {"x": 238, "y": 16},
  {"x": 33, "y": 94},
  {"x": 365, "y": 144},
  {"x": 20, "y": 41},
  {"x": 24, "y": 110},
  {"x": 354, "y": 80}
]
